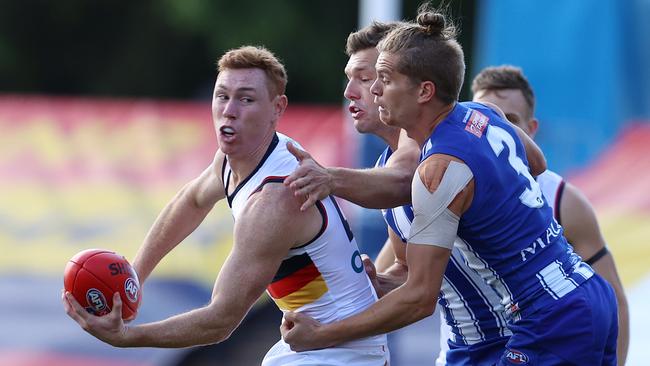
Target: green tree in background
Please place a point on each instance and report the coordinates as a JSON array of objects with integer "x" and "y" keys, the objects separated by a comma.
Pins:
[{"x": 167, "y": 48}]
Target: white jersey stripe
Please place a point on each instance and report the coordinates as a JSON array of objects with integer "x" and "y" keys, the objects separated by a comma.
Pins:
[
  {"x": 490, "y": 298},
  {"x": 478, "y": 264}
]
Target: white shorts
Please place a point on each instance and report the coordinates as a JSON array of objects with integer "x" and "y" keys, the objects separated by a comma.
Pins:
[{"x": 282, "y": 355}]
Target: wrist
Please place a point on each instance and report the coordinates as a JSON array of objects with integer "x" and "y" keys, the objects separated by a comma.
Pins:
[
  {"x": 127, "y": 337},
  {"x": 326, "y": 336},
  {"x": 332, "y": 181}
]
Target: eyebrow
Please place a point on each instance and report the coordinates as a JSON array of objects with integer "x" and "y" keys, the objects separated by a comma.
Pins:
[
  {"x": 382, "y": 71},
  {"x": 240, "y": 89},
  {"x": 356, "y": 69}
]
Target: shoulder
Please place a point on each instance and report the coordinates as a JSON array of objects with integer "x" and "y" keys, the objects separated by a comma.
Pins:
[
  {"x": 274, "y": 211},
  {"x": 218, "y": 164},
  {"x": 273, "y": 196},
  {"x": 433, "y": 168}
]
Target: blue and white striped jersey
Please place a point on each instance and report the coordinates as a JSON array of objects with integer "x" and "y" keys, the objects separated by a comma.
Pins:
[
  {"x": 508, "y": 235},
  {"x": 471, "y": 308},
  {"x": 476, "y": 289}
]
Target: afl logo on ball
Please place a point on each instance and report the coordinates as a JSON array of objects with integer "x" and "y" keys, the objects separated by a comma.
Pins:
[
  {"x": 131, "y": 289},
  {"x": 97, "y": 301}
]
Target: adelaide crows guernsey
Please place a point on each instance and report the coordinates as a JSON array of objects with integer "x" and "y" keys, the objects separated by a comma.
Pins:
[
  {"x": 325, "y": 277},
  {"x": 508, "y": 235}
]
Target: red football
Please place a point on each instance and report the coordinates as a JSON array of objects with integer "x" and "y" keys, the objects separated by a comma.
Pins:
[{"x": 94, "y": 275}]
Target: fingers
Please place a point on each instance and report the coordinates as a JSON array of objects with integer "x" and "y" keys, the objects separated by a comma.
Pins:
[
  {"x": 285, "y": 328},
  {"x": 299, "y": 184},
  {"x": 73, "y": 303},
  {"x": 299, "y": 173},
  {"x": 290, "y": 317},
  {"x": 369, "y": 266},
  {"x": 310, "y": 201},
  {"x": 74, "y": 310},
  {"x": 299, "y": 154},
  {"x": 117, "y": 305}
]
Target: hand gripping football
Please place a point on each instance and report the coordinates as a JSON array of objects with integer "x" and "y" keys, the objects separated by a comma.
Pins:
[{"x": 94, "y": 275}]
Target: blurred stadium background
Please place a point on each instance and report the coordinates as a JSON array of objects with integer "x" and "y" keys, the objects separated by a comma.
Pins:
[{"x": 105, "y": 114}]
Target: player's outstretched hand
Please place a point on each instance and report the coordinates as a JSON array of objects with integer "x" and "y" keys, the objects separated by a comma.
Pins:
[
  {"x": 310, "y": 179},
  {"x": 301, "y": 332},
  {"x": 109, "y": 328}
]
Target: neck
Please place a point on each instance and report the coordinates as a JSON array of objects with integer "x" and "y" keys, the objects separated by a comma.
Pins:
[
  {"x": 243, "y": 165},
  {"x": 390, "y": 135},
  {"x": 428, "y": 122}
]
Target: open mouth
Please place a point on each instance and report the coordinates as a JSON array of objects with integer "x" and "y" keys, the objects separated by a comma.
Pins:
[
  {"x": 227, "y": 131},
  {"x": 355, "y": 111}
]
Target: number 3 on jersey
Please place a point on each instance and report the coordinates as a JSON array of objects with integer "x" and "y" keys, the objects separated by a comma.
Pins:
[{"x": 497, "y": 136}]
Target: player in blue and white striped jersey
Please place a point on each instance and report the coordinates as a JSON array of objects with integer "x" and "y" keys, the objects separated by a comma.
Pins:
[
  {"x": 471, "y": 307},
  {"x": 473, "y": 183}
]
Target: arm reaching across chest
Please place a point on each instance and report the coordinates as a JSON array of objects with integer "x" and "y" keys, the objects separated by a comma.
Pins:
[{"x": 382, "y": 187}]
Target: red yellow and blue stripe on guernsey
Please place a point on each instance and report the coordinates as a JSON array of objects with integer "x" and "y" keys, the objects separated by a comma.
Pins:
[{"x": 297, "y": 283}]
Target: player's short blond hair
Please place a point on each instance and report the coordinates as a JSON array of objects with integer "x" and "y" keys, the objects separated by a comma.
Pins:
[{"x": 247, "y": 57}]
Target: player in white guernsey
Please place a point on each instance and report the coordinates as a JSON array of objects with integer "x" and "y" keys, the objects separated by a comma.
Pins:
[
  {"x": 507, "y": 87},
  {"x": 307, "y": 260}
]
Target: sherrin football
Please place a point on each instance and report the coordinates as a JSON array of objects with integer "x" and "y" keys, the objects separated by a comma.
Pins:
[{"x": 92, "y": 276}]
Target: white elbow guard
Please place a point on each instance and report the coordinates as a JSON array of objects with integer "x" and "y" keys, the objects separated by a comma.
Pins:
[{"x": 434, "y": 223}]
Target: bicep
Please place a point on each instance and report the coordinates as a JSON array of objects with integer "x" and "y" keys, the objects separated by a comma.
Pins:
[
  {"x": 427, "y": 265},
  {"x": 448, "y": 181},
  {"x": 261, "y": 241},
  {"x": 580, "y": 223},
  {"x": 441, "y": 195}
]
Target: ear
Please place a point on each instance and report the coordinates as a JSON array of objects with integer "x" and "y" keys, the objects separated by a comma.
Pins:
[
  {"x": 533, "y": 125},
  {"x": 427, "y": 91},
  {"x": 280, "y": 105}
]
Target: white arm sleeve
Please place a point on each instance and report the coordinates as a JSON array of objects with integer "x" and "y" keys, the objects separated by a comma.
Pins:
[{"x": 433, "y": 223}]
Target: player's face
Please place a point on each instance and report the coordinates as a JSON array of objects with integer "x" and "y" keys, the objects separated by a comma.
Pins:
[
  {"x": 361, "y": 73},
  {"x": 243, "y": 112},
  {"x": 395, "y": 94},
  {"x": 514, "y": 106}
]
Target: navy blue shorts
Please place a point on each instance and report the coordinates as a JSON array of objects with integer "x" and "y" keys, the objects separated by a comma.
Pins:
[
  {"x": 484, "y": 353},
  {"x": 579, "y": 329}
]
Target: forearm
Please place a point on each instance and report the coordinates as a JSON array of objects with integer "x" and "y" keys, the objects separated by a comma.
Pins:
[
  {"x": 177, "y": 220},
  {"x": 197, "y": 327},
  {"x": 372, "y": 188},
  {"x": 385, "y": 258},
  {"x": 397, "y": 309}
]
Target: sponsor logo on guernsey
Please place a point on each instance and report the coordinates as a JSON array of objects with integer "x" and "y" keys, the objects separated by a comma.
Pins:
[
  {"x": 131, "y": 289},
  {"x": 552, "y": 232},
  {"x": 97, "y": 302},
  {"x": 516, "y": 357},
  {"x": 476, "y": 123}
]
